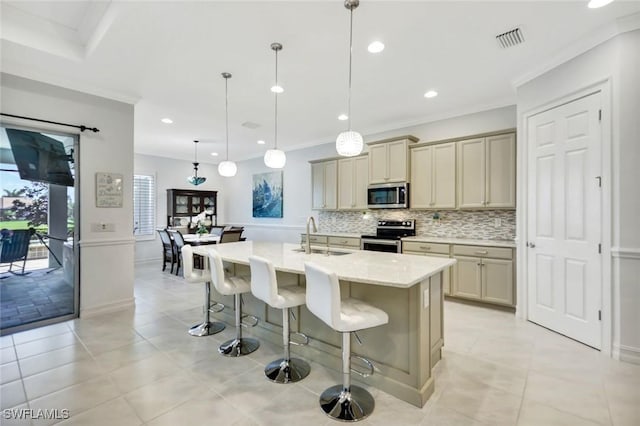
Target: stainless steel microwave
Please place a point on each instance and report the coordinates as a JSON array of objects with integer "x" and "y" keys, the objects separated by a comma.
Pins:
[{"x": 388, "y": 196}]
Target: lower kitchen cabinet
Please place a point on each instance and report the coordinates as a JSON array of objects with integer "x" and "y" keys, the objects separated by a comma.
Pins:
[
  {"x": 497, "y": 281},
  {"x": 486, "y": 277},
  {"x": 467, "y": 278}
]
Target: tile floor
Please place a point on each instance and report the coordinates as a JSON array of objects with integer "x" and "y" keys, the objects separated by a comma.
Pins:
[{"x": 141, "y": 367}]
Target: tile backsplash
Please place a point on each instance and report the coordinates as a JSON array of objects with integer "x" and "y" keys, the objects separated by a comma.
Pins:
[{"x": 481, "y": 224}]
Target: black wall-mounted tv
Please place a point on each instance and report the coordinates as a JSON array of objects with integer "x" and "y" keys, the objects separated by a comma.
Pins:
[{"x": 40, "y": 158}]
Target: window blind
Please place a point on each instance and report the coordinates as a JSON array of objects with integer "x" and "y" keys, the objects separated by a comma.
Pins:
[{"x": 144, "y": 204}]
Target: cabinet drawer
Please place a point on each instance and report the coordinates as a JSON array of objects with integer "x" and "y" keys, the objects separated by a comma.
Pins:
[
  {"x": 345, "y": 242},
  {"x": 425, "y": 247},
  {"x": 315, "y": 239},
  {"x": 480, "y": 251}
]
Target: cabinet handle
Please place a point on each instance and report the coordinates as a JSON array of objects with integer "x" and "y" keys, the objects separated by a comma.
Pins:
[
  {"x": 479, "y": 264},
  {"x": 425, "y": 247},
  {"x": 482, "y": 252}
]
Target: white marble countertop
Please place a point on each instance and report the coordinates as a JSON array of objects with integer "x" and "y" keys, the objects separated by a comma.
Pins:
[
  {"x": 335, "y": 234},
  {"x": 371, "y": 267},
  {"x": 464, "y": 241}
]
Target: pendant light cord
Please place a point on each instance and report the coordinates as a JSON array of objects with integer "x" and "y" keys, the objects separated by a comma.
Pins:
[
  {"x": 226, "y": 112},
  {"x": 350, "y": 57},
  {"x": 275, "y": 137}
]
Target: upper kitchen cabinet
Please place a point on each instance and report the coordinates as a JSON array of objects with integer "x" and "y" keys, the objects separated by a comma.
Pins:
[
  {"x": 353, "y": 178},
  {"x": 389, "y": 160},
  {"x": 324, "y": 185},
  {"x": 433, "y": 176},
  {"x": 487, "y": 172}
]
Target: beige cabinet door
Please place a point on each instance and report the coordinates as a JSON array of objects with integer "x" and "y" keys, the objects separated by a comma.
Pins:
[
  {"x": 501, "y": 171},
  {"x": 324, "y": 185},
  {"x": 353, "y": 178},
  {"x": 471, "y": 173},
  {"x": 361, "y": 178},
  {"x": 397, "y": 158},
  {"x": 317, "y": 186},
  {"x": 421, "y": 177},
  {"x": 467, "y": 277},
  {"x": 497, "y": 281},
  {"x": 443, "y": 176},
  {"x": 378, "y": 172},
  {"x": 331, "y": 185},
  {"x": 346, "y": 183}
]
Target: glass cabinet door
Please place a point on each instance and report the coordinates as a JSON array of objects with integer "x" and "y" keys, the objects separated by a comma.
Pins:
[{"x": 182, "y": 206}]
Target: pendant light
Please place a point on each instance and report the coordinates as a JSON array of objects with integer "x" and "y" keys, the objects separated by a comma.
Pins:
[
  {"x": 227, "y": 168},
  {"x": 275, "y": 158},
  {"x": 195, "y": 179},
  {"x": 350, "y": 143}
]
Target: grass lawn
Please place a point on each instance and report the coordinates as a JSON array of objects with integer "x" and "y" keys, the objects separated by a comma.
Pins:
[{"x": 21, "y": 224}]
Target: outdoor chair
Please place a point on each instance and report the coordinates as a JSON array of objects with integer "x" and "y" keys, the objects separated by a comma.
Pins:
[{"x": 15, "y": 248}]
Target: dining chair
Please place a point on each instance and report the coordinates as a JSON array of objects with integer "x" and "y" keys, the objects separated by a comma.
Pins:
[
  {"x": 216, "y": 230},
  {"x": 178, "y": 243},
  {"x": 168, "y": 252},
  {"x": 230, "y": 236}
]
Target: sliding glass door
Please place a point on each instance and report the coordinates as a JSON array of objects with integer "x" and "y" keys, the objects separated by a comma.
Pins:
[{"x": 39, "y": 280}]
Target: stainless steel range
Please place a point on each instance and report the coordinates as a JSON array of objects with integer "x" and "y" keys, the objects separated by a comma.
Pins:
[{"x": 388, "y": 235}]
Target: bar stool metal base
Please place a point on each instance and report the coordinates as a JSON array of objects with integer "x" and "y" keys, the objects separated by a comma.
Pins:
[
  {"x": 282, "y": 371},
  {"x": 347, "y": 406},
  {"x": 239, "y": 347},
  {"x": 206, "y": 329}
]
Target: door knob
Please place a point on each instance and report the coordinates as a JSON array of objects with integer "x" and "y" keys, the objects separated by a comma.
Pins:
[{"x": 532, "y": 245}]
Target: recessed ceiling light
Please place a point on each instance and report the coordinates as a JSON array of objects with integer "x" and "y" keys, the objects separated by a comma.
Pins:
[
  {"x": 431, "y": 94},
  {"x": 215, "y": 154},
  {"x": 376, "y": 47},
  {"x": 277, "y": 89},
  {"x": 594, "y": 4},
  {"x": 260, "y": 142},
  {"x": 343, "y": 117},
  {"x": 167, "y": 121}
]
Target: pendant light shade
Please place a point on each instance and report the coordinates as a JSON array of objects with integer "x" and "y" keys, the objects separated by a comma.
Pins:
[
  {"x": 350, "y": 143},
  {"x": 275, "y": 158},
  {"x": 227, "y": 168},
  {"x": 195, "y": 179}
]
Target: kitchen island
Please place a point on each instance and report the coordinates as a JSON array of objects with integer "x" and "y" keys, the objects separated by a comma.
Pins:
[{"x": 407, "y": 287}]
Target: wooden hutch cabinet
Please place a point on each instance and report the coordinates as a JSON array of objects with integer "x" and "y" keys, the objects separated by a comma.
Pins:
[{"x": 183, "y": 205}]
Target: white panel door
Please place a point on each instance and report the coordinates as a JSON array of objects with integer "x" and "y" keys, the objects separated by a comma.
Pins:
[{"x": 564, "y": 220}]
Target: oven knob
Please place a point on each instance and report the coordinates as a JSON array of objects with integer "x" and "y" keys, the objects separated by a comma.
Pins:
[{"x": 382, "y": 223}]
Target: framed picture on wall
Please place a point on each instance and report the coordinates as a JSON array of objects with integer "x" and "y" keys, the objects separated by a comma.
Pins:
[
  {"x": 267, "y": 194},
  {"x": 109, "y": 189}
]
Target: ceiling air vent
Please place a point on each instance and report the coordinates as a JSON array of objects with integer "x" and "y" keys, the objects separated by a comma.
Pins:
[
  {"x": 250, "y": 125},
  {"x": 510, "y": 38}
]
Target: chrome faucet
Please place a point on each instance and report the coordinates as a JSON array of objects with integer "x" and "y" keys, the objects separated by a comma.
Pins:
[{"x": 307, "y": 248}]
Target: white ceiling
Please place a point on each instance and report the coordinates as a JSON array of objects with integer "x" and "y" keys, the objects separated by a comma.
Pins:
[{"x": 167, "y": 58}]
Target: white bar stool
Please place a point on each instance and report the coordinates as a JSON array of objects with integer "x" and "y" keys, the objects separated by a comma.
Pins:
[
  {"x": 227, "y": 286},
  {"x": 264, "y": 286},
  {"x": 194, "y": 276},
  {"x": 346, "y": 402}
]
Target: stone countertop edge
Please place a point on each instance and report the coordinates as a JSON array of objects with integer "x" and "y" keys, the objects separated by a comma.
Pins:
[
  {"x": 335, "y": 234},
  {"x": 367, "y": 267},
  {"x": 463, "y": 241}
]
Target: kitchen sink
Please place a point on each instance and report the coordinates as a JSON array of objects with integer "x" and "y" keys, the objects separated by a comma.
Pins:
[{"x": 325, "y": 252}]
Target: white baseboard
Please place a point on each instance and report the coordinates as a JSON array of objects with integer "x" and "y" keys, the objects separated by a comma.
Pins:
[
  {"x": 626, "y": 354},
  {"x": 107, "y": 308}
]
